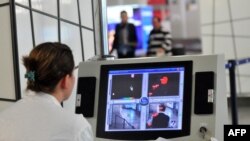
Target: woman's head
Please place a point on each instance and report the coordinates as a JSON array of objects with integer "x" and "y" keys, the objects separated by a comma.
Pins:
[{"x": 47, "y": 65}]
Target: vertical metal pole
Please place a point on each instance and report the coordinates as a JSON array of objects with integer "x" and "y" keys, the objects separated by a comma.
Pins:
[
  {"x": 234, "y": 40},
  {"x": 104, "y": 24},
  {"x": 58, "y": 21},
  {"x": 93, "y": 16},
  {"x": 213, "y": 28},
  {"x": 233, "y": 97}
]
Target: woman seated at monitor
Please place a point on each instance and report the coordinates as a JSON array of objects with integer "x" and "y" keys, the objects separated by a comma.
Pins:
[{"x": 40, "y": 116}]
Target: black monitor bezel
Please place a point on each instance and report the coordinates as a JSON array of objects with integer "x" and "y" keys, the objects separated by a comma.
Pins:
[{"x": 144, "y": 135}]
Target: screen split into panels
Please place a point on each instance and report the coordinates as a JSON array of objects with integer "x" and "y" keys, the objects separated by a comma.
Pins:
[{"x": 147, "y": 98}]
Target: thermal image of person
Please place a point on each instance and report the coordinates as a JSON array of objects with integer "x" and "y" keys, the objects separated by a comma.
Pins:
[
  {"x": 159, "y": 119},
  {"x": 159, "y": 87}
]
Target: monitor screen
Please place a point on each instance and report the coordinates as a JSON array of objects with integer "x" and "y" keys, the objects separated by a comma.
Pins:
[{"x": 145, "y": 100}]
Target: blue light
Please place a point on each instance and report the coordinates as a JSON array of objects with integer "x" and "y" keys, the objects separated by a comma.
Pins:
[{"x": 144, "y": 101}]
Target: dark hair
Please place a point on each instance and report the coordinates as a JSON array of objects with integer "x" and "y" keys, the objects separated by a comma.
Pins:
[
  {"x": 157, "y": 18},
  {"x": 50, "y": 62},
  {"x": 123, "y": 12},
  {"x": 163, "y": 107}
]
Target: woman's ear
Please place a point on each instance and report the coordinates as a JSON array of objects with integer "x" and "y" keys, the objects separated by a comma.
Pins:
[{"x": 64, "y": 82}]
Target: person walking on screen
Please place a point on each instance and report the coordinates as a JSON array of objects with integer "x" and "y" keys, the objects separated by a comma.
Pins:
[
  {"x": 159, "y": 42},
  {"x": 160, "y": 119},
  {"x": 125, "y": 40},
  {"x": 39, "y": 116}
]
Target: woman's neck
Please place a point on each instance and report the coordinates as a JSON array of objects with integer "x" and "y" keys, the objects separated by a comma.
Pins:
[{"x": 59, "y": 96}]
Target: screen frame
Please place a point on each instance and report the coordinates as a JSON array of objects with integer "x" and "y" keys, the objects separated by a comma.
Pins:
[{"x": 146, "y": 134}]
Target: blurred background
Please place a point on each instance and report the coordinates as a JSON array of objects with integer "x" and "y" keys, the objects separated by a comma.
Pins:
[{"x": 180, "y": 18}]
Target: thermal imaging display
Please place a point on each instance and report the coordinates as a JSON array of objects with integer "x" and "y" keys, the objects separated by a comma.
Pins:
[{"x": 145, "y": 100}]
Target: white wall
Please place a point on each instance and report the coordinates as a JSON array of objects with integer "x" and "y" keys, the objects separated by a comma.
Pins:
[
  {"x": 125, "y": 2},
  {"x": 178, "y": 19},
  {"x": 45, "y": 25},
  {"x": 24, "y": 42},
  {"x": 3, "y": 1},
  {"x": 7, "y": 90},
  {"x": 193, "y": 22},
  {"x": 185, "y": 20},
  {"x": 217, "y": 34},
  {"x": 6, "y": 60}
]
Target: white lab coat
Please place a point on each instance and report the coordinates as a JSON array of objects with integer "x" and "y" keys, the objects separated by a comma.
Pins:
[{"x": 41, "y": 118}]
